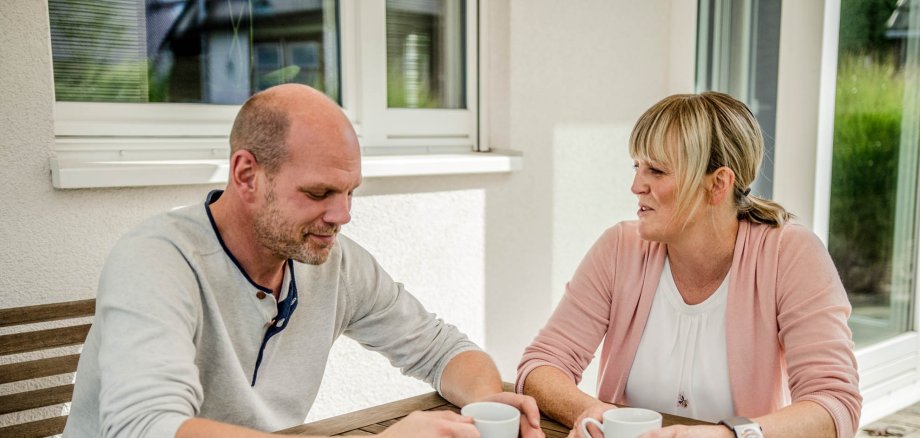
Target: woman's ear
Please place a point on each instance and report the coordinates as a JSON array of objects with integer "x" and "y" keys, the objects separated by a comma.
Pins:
[{"x": 721, "y": 185}]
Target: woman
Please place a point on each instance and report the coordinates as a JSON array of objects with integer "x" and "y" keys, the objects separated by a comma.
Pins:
[{"x": 711, "y": 305}]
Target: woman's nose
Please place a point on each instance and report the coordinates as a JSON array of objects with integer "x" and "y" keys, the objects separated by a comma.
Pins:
[{"x": 638, "y": 185}]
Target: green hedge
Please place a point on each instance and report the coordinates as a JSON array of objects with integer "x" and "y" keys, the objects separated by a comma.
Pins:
[{"x": 867, "y": 130}]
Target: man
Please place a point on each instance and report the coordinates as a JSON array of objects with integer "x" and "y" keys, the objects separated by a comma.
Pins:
[{"x": 225, "y": 312}]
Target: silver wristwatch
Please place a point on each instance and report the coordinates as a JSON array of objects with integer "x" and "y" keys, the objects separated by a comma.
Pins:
[{"x": 743, "y": 427}]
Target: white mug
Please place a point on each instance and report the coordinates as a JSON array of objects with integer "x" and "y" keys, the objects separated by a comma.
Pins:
[
  {"x": 494, "y": 420},
  {"x": 624, "y": 422}
]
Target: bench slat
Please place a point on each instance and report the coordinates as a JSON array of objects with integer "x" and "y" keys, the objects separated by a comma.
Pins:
[
  {"x": 43, "y": 339},
  {"x": 47, "y": 312},
  {"x": 36, "y": 429},
  {"x": 34, "y": 369},
  {"x": 39, "y": 398}
]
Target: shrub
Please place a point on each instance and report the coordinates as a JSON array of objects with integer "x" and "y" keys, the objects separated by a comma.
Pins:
[{"x": 864, "y": 175}]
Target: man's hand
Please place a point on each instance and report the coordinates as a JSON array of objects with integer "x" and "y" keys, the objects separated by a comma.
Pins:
[
  {"x": 530, "y": 414},
  {"x": 595, "y": 411},
  {"x": 436, "y": 424}
]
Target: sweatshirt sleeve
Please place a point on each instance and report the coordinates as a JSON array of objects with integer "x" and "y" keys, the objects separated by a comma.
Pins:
[
  {"x": 812, "y": 317},
  {"x": 146, "y": 314},
  {"x": 580, "y": 321},
  {"x": 387, "y": 319}
]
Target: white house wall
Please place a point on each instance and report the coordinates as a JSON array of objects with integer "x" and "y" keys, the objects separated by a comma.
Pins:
[{"x": 490, "y": 253}]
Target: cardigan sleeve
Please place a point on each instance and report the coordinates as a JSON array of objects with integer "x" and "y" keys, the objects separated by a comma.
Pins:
[
  {"x": 580, "y": 321},
  {"x": 812, "y": 315}
]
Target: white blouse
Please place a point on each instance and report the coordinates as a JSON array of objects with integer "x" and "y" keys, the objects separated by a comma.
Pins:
[{"x": 681, "y": 366}]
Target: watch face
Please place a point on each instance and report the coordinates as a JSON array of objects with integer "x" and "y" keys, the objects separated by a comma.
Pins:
[{"x": 748, "y": 431}]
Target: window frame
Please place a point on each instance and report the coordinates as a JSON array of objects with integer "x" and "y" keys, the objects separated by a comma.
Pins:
[
  {"x": 99, "y": 144},
  {"x": 890, "y": 369}
]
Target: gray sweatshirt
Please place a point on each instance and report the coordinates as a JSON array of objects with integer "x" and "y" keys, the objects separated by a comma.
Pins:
[{"x": 181, "y": 331}]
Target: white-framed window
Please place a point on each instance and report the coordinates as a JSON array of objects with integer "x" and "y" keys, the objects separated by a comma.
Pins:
[
  {"x": 846, "y": 156},
  {"x": 737, "y": 54},
  {"x": 870, "y": 193},
  {"x": 146, "y": 90}
]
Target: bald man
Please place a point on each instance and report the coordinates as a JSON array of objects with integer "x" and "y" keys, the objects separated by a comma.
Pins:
[{"x": 217, "y": 319}]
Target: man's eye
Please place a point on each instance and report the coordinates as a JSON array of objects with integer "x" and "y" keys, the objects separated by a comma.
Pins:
[{"x": 314, "y": 195}]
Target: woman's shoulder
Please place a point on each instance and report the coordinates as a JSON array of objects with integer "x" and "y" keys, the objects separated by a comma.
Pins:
[
  {"x": 791, "y": 244},
  {"x": 622, "y": 233},
  {"x": 788, "y": 234},
  {"x": 624, "y": 238}
]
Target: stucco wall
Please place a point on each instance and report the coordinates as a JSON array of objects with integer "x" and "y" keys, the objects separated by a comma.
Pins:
[
  {"x": 490, "y": 253},
  {"x": 579, "y": 79}
]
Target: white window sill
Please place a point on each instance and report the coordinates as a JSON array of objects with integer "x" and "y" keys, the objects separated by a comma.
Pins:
[{"x": 74, "y": 174}]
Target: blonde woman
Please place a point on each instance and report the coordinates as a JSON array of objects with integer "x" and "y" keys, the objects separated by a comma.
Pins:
[{"x": 711, "y": 305}]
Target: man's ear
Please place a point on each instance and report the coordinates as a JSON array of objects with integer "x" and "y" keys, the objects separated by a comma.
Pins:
[
  {"x": 721, "y": 184},
  {"x": 244, "y": 172}
]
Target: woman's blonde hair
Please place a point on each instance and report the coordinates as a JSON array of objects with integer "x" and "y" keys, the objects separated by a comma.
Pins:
[{"x": 695, "y": 134}]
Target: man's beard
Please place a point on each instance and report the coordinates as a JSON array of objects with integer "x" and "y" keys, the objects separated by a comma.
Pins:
[{"x": 286, "y": 240}]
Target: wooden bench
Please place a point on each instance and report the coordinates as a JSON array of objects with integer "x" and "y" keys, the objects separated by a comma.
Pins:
[{"x": 38, "y": 340}]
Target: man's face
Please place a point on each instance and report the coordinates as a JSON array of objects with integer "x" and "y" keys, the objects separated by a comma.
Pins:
[{"x": 308, "y": 199}]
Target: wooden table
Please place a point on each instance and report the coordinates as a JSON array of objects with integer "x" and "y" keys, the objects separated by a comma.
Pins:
[{"x": 374, "y": 420}]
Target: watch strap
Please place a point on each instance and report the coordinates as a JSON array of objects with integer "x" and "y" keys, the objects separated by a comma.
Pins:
[{"x": 743, "y": 427}]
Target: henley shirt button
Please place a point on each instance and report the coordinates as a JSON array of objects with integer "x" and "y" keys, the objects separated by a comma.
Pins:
[{"x": 260, "y": 295}]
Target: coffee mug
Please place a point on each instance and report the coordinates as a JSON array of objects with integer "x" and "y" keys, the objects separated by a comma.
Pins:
[
  {"x": 494, "y": 420},
  {"x": 624, "y": 422}
]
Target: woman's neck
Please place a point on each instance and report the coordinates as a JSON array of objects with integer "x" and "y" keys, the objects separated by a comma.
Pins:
[{"x": 702, "y": 258}]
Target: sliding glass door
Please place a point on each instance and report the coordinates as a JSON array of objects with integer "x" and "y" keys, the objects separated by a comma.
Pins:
[{"x": 873, "y": 207}]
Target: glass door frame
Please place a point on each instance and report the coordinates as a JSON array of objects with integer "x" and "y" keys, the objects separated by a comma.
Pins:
[{"x": 890, "y": 369}]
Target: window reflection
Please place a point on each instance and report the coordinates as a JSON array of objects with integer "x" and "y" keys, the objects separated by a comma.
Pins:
[
  {"x": 195, "y": 51},
  {"x": 872, "y": 223},
  {"x": 425, "y": 54}
]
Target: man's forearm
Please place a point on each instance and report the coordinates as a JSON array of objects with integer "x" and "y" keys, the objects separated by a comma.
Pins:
[
  {"x": 468, "y": 377},
  {"x": 203, "y": 428}
]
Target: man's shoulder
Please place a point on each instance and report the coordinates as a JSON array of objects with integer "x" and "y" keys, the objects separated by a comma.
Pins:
[
  {"x": 154, "y": 263},
  {"x": 184, "y": 228}
]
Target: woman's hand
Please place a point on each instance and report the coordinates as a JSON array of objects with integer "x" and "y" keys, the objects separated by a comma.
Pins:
[
  {"x": 595, "y": 411},
  {"x": 681, "y": 431}
]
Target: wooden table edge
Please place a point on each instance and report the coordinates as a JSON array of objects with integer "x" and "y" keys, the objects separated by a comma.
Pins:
[{"x": 366, "y": 417}]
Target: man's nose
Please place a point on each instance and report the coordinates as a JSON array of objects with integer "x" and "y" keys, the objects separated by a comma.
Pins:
[{"x": 338, "y": 211}]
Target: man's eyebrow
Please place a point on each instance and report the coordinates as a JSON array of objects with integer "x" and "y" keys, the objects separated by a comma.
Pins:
[
  {"x": 322, "y": 187},
  {"x": 317, "y": 188}
]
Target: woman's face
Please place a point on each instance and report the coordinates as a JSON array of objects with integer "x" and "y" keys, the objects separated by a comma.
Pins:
[{"x": 656, "y": 187}]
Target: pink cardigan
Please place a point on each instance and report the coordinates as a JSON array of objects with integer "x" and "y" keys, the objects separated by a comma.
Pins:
[{"x": 787, "y": 317}]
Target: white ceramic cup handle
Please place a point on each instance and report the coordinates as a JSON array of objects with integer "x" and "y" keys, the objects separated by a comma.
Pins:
[{"x": 584, "y": 426}]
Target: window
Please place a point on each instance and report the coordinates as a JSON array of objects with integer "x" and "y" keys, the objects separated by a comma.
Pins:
[
  {"x": 189, "y": 51},
  {"x": 849, "y": 95},
  {"x": 738, "y": 54},
  {"x": 147, "y": 90},
  {"x": 425, "y": 55},
  {"x": 872, "y": 220}
]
